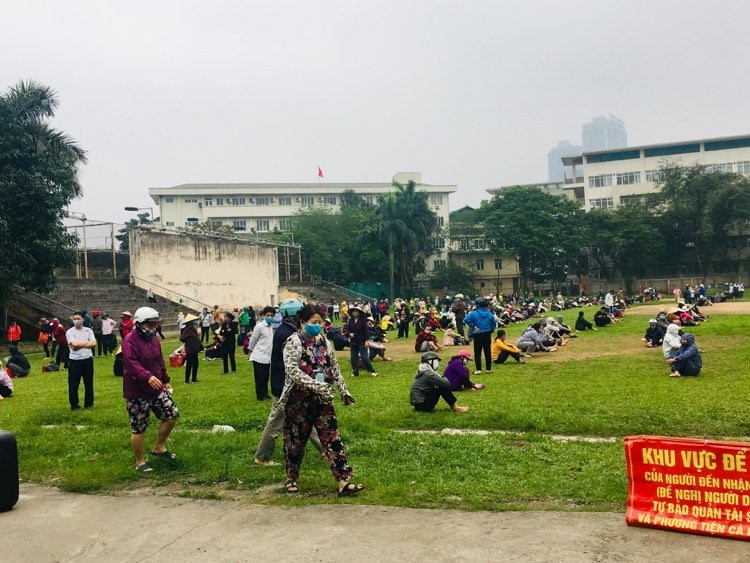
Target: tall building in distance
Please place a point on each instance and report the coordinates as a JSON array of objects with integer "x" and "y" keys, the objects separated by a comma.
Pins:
[
  {"x": 557, "y": 170},
  {"x": 604, "y": 133}
]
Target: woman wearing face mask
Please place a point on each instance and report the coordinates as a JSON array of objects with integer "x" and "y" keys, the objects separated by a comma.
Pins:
[
  {"x": 429, "y": 386},
  {"x": 311, "y": 373},
  {"x": 457, "y": 372},
  {"x": 146, "y": 388},
  {"x": 189, "y": 337},
  {"x": 259, "y": 346},
  {"x": 81, "y": 340},
  {"x": 359, "y": 334},
  {"x": 228, "y": 334}
]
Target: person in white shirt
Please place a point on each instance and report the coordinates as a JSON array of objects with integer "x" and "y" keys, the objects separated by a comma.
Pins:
[
  {"x": 181, "y": 321},
  {"x": 81, "y": 340},
  {"x": 609, "y": 301},
  {"x": 259, "y": 346},
  {"x": 207, "y": 320},
  {"x": 108, "y": 327}
]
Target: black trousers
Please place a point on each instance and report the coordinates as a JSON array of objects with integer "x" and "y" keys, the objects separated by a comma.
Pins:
[
  {"x": 205, "y": 334},
  {"x": 460, "y": 326},
  {"x": 77, "y": 370},
  {"x": 433, "y": 397},
  {"x": 262, "y": 374},
  {"x": 46, "y": 349},
  {"x": 403, "y": 329},
  {"x": 227, "y": 355},
  {"x": 61, "y": 357},
  {"x": 100, "y": 345},
  {"x": 191, "y": 367},
  {"x": 483, "y": 343},
  {"x": 504, "y": 355}
]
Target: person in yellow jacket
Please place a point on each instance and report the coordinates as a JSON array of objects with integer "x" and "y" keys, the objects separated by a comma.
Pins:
[
  {"x": 344, "y": 310},
  {"x": 502, "y": 349}
]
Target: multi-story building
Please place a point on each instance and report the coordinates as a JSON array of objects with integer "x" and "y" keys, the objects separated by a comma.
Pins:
[
  {"x": 557, "y": 171},
  {"x": 604, "y": 133},
  {"x": 265, "y": 208},
  {"x": 605, "y": 179}
]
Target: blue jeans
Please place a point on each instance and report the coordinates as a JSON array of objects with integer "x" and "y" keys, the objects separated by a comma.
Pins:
[{"x": 358, "y": 351}]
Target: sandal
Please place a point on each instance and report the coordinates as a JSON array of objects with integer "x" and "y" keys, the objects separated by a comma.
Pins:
[
  {"x": 166, "y": 454},
  {"x": 350, "y": 489},
  {"x": 291, "y": 487},
  {"x": 144, "y": 468}
]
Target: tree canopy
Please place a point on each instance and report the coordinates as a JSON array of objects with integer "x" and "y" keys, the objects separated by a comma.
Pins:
[{"x": 38, "y": 180}]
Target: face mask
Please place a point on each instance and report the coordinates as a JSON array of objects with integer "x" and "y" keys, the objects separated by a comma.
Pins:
[
  {"x": 78, "y": 324},
  {"x": 148, "y": 332},
  {"x": 434, "y": 364},
  {"x": 313, "y": 330},
  {"x": 268, "y": 320},
  {"x": 355, "y": 314},
  {"x": 194, "y": 323},
  {"x": 464, "y": 361}
]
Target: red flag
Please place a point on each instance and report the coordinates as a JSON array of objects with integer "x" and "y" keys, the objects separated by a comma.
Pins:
[{"x": 320, "y": 171}]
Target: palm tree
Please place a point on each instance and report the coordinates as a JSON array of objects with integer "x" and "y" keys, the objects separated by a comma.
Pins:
[{"x": 392, "y": 230}]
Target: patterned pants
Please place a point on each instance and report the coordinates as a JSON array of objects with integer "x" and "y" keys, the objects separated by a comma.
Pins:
[{"x": 305, "y": 410}]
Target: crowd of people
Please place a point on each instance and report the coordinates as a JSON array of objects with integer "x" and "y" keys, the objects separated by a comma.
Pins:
[{"x": 679, "y": 348}]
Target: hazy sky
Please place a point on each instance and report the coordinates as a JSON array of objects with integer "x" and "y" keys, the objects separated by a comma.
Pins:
[{"x": 472, "y": 93}]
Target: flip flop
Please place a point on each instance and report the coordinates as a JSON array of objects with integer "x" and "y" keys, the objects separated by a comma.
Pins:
[
  {"x": 144, "y": 468},
  {"x": 291, "y": 487},
  {"x": 350, "y": 489},
  {"x": 166, "y": 454}
]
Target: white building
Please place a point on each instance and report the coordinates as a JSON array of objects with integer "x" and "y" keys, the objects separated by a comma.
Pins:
[
  {"x": 605, "y": 179},
  {"x": 269, "y": 207}
]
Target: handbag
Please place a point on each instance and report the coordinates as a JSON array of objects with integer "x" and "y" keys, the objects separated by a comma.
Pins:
[{"x": 43, "y": 338}]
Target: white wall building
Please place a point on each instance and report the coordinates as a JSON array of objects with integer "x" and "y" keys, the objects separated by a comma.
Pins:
[
  {"x": 605, "y": 179},
  {"x": 267, "y": 207}
]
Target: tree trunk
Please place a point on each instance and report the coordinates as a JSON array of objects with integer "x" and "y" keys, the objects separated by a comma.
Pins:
[{"x": 391, "y": 261}]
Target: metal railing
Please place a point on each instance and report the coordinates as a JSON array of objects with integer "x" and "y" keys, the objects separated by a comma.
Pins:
[
  {"x": 340, "y": 289},
  {"x": 168, "y": 294},
  {"x": 23, "y": 295}
]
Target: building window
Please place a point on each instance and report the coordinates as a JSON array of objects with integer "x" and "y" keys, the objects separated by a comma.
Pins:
[
  {"x": 601, "y": 203},
  {"x": 191, "y": 222},
  {"x": 263, "y": 200},
  {"x": 653, "y": 175},
  {"x": 438, "y": 242},
  {"x": 236, "y": 201},
  {"x": 168, "y": 200},
  {"x": 600, "y": 181},
  {"x": 480, "y": 264},
  {"x": 329, "y": 200},
  {"x": 219, "y": 201},
  {"x": 191, "y": 200},
  {"x": 208, "y": 201},
  {"x": 723, "y": 167},
  {"x": 743, "y": 167},
  {"x": 285, "y": 224},
  {"x": 169, "y": 223},
  {"x": 498, "y": 264},
  {"x": 370, "y": 199},
  {"x": 285, "y": 201},
  {"x": 628, "y": 178},
  {"x": 477, "y": 244},
  {"x": 261, "y": 225},
  {"x": 239, "y": 225},
  {"x": 440, "y": 221},
  {"x": 438, "y": 264},
  {"x": 307, "y": 200},
  {"x": 436, "y": 199}
]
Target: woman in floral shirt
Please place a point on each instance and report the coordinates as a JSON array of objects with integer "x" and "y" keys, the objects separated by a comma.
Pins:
[{"x": 311, "y": 373}]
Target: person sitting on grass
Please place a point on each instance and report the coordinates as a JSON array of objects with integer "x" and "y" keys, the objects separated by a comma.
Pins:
[
  {"x": 582, "y": 324},
  {"x": 6, "y": 384},
  {"x": 551, "y": 331},
  {"x": 531, "y": 341},
  {"x": 429, "y": 386},
  {"x": 17, "y": 364},
  {"x": 426, "y": 341},
  {"x": 378, "y": 340},
  {"x": 654, "y": 334},
  {"x": 457, "y": 372},
  {"x": 602, "y": 318},
  {"x": 565, "y": 329},
  {"x": 687, "y": 360},
  {"x": 502, "y": 350},
  {"x": 671, "y": 342}
]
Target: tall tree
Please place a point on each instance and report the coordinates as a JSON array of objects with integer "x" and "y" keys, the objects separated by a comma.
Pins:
[
  {"x": 393, "y": 231},
  {"x": 542, "y": 230},
  {"x": 702, "y": 207},
  {"x": 38, "y": 180},
  {"x": 124, "y": 237}
]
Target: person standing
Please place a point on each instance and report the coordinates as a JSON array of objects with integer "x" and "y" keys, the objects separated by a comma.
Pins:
[
  {"x": 311, "y": 373},
  {"x": 206, "y": 320},
  {"x": 481, "y": 323},
  {"x": 146, "y": 388},
  {"x": 14, "y": 333},
  {"x": 275, "y": 424},
  {"x": 260, "y": 346},
  {"x": 108, "y": 334},
  {"x": 96, "y": 328},
  {"x": 189, "y": 337},
  {"x": 81, "y": 342},
  {"x": 126, "y": 324},
  {"x": 228, "y": 335},
  {"x": 58, "y": 333},
  {"x": 244, "y": 320},
  {"x": 359, "y": 335},
  {"x": 217, "y": 318},
  {"x": 45, "y": 335},
  {"x": 180, "y": 321},
  {"x": 459, "y": 311}
]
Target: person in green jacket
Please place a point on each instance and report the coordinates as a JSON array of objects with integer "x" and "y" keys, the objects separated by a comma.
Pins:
[{"x": 244, "y": 320}]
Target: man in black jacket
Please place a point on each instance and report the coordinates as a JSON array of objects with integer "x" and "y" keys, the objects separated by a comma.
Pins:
[{"x": 275, "y": 423}]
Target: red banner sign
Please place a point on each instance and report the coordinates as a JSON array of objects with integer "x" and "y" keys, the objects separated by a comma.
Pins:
[{"x": 688, "y": 485}]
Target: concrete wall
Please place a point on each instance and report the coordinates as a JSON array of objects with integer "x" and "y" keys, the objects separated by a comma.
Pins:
[{"x": 208, "y": 270}]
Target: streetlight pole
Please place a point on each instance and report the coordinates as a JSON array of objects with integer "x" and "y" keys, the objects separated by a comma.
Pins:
[
  {"x": 150, "y": 214},
  {"x": 82, "y": 218}
]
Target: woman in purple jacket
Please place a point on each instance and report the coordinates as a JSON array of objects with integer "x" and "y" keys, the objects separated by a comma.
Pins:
[
  {"x": 146, "y": 388},
  {"x": 457, "y": 372}
]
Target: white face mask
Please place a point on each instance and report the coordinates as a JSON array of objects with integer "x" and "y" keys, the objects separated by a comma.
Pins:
[{"x": 434, "y": 364}]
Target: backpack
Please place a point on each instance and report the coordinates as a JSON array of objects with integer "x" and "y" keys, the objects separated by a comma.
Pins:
[{"x": 53, "y": 367}]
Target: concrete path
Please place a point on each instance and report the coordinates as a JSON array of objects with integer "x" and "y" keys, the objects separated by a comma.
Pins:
[{"x": 48, "y": 525}]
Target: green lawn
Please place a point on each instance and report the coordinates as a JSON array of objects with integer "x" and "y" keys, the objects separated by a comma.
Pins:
[{"x": 604, "y": 384}]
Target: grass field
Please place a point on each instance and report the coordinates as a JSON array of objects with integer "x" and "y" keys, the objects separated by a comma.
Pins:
[{"x": 603, "y": 385}]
